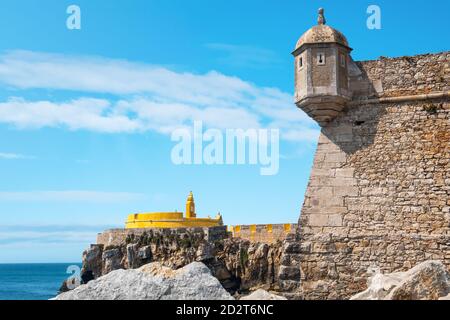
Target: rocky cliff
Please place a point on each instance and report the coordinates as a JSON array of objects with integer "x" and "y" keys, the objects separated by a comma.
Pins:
[{"x": 239, "y": 265}]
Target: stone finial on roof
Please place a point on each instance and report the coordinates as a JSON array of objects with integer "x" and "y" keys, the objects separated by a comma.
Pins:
[{"x": 321, "y": 20}]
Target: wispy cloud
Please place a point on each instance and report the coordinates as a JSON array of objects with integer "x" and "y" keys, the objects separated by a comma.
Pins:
[
  {"x": 84, "y": 113},
  {"x": 245, "y": 56},
  {"x": 15, "y": 156},
  {"x": 70, "y": 196},
  {"x": 49, "y": 234},
  {"x": 146, "y": 97}
]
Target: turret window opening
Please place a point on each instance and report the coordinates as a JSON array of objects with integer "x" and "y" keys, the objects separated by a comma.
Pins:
[
  {"x": 300, "y": 63},
  {"x": 343, "y": 60},
  {"x": 320, "y": 58}
]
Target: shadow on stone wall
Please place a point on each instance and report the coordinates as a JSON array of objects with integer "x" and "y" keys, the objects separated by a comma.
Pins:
[{"x": 355, "y": 128}]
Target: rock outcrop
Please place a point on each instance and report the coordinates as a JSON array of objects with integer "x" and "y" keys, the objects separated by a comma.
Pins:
[
  {"x": 252, "y": 265},
  {"x": 152, "y": 282},
  {"x": 427, "y": 281},
  {"x": 240, "y": 265}
]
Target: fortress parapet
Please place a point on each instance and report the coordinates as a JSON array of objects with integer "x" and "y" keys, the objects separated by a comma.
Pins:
[
  {"x": 117, "y": 237},
  {"x": 266, "y": 233}
]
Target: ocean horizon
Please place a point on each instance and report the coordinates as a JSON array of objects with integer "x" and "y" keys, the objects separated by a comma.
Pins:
[{"x": 32, "y": 281}]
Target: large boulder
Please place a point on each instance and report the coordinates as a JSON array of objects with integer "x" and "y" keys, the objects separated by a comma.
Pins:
[
  {"x": 427, "y": 281},
  {"x": 152, "y": 282}
]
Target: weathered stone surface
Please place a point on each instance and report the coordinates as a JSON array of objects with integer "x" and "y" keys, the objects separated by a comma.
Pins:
[
  {"x": 379, "y": 190},
  {"x": 116, "y": 237},
  {"x": 240, "y": 265},
  {"x": 152, "y": 282},
  {"x": 410, "y": 75},
  {"x": 92, "y": 263},
  {"x": 252, "y": 265},
  {"x": 261, "y": 294},
  {"x": 112, "y": 260},
  {"x": 289, "y": 273},
  {"x": 427, "y": 281}
]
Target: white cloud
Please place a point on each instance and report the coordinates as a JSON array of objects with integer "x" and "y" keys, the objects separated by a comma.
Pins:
[
  {"x": 15, "y": 156},
  {"x": 146, "y": 98},
  {"x": 83, "y": 113},
  {"x": 71, "y": 196}
]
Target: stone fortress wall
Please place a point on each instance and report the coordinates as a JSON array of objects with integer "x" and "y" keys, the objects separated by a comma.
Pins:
[
  {"x": 379, "y": 190},
  {"x": 118, "y": 237},
  {"x": 263, "y": 233},
  {"x": 405, "y": 76}
]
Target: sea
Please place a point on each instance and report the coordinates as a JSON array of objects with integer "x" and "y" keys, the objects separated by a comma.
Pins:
[{"x": 33, "y": 281}]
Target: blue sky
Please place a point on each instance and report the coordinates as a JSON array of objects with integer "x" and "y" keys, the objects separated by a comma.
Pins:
[{"x": 86, "y": 115}]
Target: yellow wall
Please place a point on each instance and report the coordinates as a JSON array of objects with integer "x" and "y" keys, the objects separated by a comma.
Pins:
[
  {"x": 166, "y": 220},
  {"x": 267, "y": 233},
  {"x": 156, "y": 216}
]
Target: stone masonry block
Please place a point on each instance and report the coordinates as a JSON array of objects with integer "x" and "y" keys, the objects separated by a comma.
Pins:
[
  {"x": 336, "y": 157},
  {"x": 325, "y": 220},
  {"x": 346, "y": 191},
  {"x": 345, "y": 172},
  {"x": 324, "y": 200}
]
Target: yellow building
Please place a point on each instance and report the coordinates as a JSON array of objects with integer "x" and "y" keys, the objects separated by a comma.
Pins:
[{"x": 166, "y": 220}]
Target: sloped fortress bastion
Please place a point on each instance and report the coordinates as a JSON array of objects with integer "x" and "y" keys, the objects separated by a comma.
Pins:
[{"x": 379, "y": 190}]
